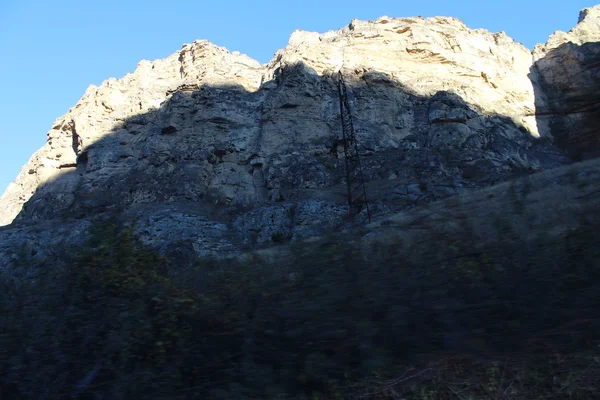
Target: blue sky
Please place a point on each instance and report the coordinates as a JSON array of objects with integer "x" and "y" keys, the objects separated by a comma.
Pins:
[{"x": 51, "y": 51}]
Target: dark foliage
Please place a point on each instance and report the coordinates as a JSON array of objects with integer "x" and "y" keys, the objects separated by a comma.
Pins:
[{"x": 514, "y": 320}]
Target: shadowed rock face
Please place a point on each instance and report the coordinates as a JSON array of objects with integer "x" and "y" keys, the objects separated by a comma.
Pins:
[
  {"x": 219, "y": 168},
  {"x": 223, "y": 146},
  {"x": 566, "y": 73},
  {"x": 208, "y": 151},
  {"x": 424, "y": 56}
]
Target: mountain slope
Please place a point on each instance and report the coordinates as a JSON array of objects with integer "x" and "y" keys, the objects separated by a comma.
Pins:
[{"x": 252, "y": 153}]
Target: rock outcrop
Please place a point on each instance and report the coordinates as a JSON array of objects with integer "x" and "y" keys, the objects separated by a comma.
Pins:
[
  {"x": 99, "y": 131},
  {"x": 566, "y": 73},
  {"x": 208, "y": 151}
]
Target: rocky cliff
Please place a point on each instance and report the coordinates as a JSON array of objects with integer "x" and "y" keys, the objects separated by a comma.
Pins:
[
  {"x": 208, "y": 151},
  {"x": 566, "y": 72}
]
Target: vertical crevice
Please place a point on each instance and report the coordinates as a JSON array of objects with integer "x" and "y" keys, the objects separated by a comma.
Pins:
[
  {"x": 76, "y": 139},
  {"x": 357, "y": 192}
]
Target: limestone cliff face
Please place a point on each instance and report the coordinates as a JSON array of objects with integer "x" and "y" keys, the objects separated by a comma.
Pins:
[
  {"x": 212, "y": 149},
  {"x": 566, "y": 73},
  {"x": 98, "y": 119},
  {"x": 487, "y": 70}
]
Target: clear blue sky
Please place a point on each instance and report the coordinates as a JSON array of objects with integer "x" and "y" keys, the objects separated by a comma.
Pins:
[{"x": 52, "y": 50}]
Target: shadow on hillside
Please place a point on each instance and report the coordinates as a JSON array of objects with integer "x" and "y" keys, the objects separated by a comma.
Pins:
[
  {"x": 567, "y": 98},
  {"x": 337, "y": 318},
  {"x": 219, "y": 151}
]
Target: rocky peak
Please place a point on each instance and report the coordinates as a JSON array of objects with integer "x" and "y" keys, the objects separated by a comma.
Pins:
[
  {"x": 102, "y": 110},
  {"x": 488, "y": 70},
  {"x": 589, "y": 15},
  {"x": 587, "y": 30},
  {"x": 566, "y": 75}
]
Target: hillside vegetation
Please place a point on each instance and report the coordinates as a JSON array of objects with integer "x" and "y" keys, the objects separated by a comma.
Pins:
[{"x": 491, "y": 295}]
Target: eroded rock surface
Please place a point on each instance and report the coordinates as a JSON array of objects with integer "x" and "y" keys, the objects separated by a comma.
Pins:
[
  {"x": 567, "y": 76},
  {"x": 212, "y": 152}
]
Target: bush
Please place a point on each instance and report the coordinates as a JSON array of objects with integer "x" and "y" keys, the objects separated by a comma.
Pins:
[{"x": 333, "y": 320}]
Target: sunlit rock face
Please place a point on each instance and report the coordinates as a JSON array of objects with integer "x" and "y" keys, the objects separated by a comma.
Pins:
[
  {"x": 105, "y": 119},
  {"x": 488, "y": 70},
  {"x": 211, "y": 149},
  {"x": 566, "y": 72}
]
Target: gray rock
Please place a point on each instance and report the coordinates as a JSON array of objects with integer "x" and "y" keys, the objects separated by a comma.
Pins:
[
  {"x": 207, "y": 152},
  {"x": 566, "y": 76}
]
